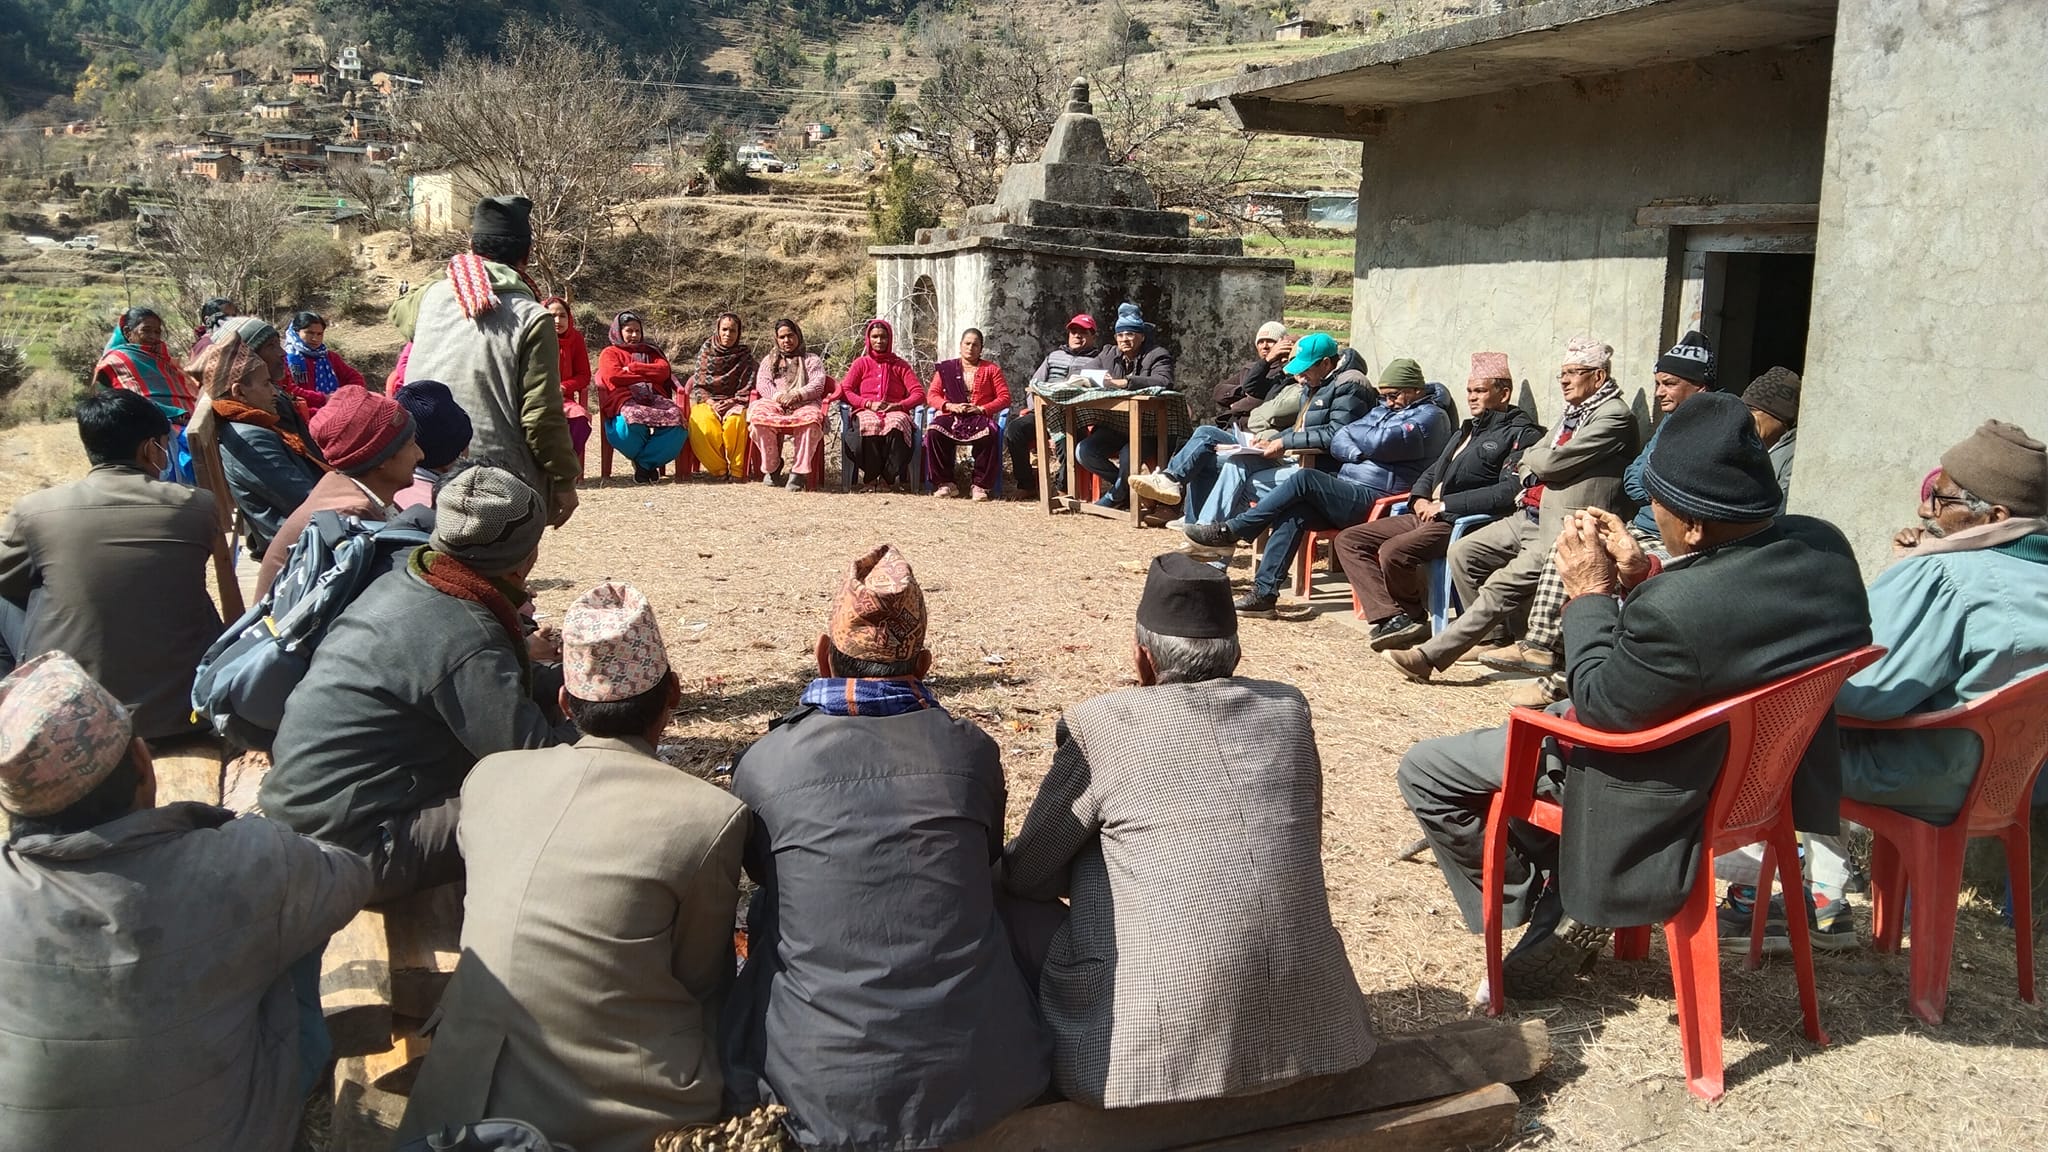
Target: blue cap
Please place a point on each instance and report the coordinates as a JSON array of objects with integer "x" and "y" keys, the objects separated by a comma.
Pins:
[{"x": 1313, "y": 347}]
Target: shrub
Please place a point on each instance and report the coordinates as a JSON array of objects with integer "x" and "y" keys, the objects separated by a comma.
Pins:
[
  {"x": 77, "y": 348},
  {"x": 46, "y": 398}
]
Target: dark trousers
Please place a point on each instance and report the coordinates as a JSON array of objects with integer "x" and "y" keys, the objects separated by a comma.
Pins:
[
  {"x": 13, "y": 635},
  {"x": 1449, "y": 784},
  {"x": 1385, "y": 561},
  {"x": 941, "y": 452},
  {"x": 415, "y": 850},
  {"x": 1107, "y": 453},
  {"x": 1304, "y": 500},
  {"x": 885, "y": 457},
  {"x": 1020, "y": 437}
]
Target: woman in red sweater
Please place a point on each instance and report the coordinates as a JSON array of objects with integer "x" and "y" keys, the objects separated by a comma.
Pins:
[
  {"x": 966, "y": 397},
  {"x": 636, "y": 397},
  {"x": 575, "y": 362}
]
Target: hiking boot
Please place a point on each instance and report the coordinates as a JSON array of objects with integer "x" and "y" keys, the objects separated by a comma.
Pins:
[
  {"x": 1255, "y": 605},
  {"x": 1540, "y": 968},
  {"x": 1213, "y": 535},
  {"x": 1520, "y": 658},
  {"x": 1397, "y": 631},
  {"x": 1412, "y": 663},
  {"x": 1157, "y": 487},
  {"x": 1541, "y": 693},
  {"x": 946, "y": 491}
]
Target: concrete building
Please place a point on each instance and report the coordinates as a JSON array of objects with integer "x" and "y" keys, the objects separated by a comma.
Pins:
[
  {"x": 1073, "y": 233},
  {"x": 442, "y": 201},
  {"x": 1851, "y": 188},
  {"x": 1302, "y": 28}
]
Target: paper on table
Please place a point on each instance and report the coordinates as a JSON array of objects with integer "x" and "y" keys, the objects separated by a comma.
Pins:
[{"x": 1095, "y": 376}]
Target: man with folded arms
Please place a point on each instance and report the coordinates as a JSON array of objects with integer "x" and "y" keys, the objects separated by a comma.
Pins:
[
  {"x": 597, "y": 926},
  {"x": 1645, "y": 643},
  {"x": 1198, "y": 959}
]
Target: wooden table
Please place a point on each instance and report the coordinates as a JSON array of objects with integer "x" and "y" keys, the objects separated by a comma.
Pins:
[{"x": 1134, "y": 408}]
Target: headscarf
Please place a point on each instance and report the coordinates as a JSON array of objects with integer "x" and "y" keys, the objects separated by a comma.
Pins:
[
  {"x": 309, "y": 364},
  {"x": 725, "y": 372},
  {"x": 148, "y": 369},
  {"x": 641, "y": 350},
  {"x": 233, "y": 362},
  {"x": 867, "y": 349},
  {"x": 777, "y": 361}
]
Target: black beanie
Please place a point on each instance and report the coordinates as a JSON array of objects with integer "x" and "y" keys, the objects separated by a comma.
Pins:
[
  {"x": 1692, "y": 358},
  {"x": 1709, "y": 464},
  {"x": 503, "y": 217},
  {"x": 441, "y": 427},
  {"x": 1185, "y": 597}
]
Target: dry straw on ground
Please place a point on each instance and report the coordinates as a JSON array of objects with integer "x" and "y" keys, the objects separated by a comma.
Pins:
[{"x": 1031, "y": 613}]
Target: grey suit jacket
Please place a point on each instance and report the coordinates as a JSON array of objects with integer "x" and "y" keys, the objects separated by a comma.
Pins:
[
  {"x": 1586, "y": 471},
  {"x": 596, "y": 948},
  {"x": 1185, "y": 821}
]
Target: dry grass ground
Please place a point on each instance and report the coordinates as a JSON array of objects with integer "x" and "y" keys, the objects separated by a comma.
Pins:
[{"x": 1031, "y": 613}]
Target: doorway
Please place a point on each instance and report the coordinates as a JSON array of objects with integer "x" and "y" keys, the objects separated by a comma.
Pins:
[{"x": 1749, "y": 287}]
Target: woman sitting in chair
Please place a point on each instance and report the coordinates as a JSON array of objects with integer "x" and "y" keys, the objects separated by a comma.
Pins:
[
  {"x": 636, "y": 397},
  {"x": 719, "y": 391},
  {"x": 270, "y": 469},
  {"x": 317, "y": 370},
  {"x": 881, "y": 390},
  {"x": 965, "y": 397},
  {"x": 789, "y": 394}
]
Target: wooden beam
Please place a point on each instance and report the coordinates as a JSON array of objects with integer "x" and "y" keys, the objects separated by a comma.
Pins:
[
  {"x": 396, "y": 1070},
  {"x": 355, "y": 986},
  {"x": 425, "y": 935},
  {"x": 1480, "y": 1118},
  {"x": 1408, "y": 1068},
  {"x": 1721, "y": 215},
  {"x": 1290, "y": 118}
]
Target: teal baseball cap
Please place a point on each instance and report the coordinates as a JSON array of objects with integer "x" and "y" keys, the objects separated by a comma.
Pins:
[{"x": 1313, "y": 347}]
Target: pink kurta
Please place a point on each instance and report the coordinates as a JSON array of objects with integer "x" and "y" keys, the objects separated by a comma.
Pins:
[{"x": 768, "y": 422}]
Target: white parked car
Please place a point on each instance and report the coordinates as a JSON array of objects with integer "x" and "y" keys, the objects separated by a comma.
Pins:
[
  {"x": 88, "y": 242},
  {"x": 757, "y": 159}
]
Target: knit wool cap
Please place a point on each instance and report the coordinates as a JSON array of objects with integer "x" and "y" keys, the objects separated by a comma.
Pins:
[
  {"x": 878, "y": 613},
  {"x": 1128, "y": 319},
  {"x": 611, "y": 645},
  {"x": 1314, "y": 347},
  {"x": 1491, "y": 366},
  {"x": 1586, "y": 352},
  {"x": 1692, "y": 358},
  {"x": 1776, "y": 392},
  {"x": 1709, "y": 464},
  {"x": 503, "y": 217},
  {"x": 487, "y": 518},
  {"x": 60, "y": 735},
  {"x": 441, "y": 425},
  {"x": 1271, "y": 330},
  {"x": 358, "y": 429},
  {"x": 1185, "y": 597},
  {"x": 2001, "y": 464},
  {"x": 1402, "y": 373}
]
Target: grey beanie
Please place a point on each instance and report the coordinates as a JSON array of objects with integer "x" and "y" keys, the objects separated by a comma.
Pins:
[{"x": 487, "y": 518}]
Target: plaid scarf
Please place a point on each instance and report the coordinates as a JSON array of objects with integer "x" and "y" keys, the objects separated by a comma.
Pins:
[
  {"x": 838, "y": 696},
  {"x": 1574, "y": 414}
]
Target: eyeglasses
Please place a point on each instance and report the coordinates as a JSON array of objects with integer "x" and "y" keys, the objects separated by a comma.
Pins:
[
  {"x": 1576, "y": 372},
  {"x": 1940, "y": 500}
]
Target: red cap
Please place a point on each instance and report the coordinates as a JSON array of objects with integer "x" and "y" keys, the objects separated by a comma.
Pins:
[
  {"x": 1084, "y": 320},
  {"x": 358, "y": 429}
]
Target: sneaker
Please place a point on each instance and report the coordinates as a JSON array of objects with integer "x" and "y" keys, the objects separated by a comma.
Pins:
[
  {"x": 1212, "y": 535},
  {"x": 1413, "y": 664},
  {"x": 946, "y": 491},
  {"x": 1398, "y": 631},
  {"x": 796, "y": 482},
  {"x": 1157, "y": 487},
  {"x": 1175, "y": 524},
  {"x": 979, "y": 495},
  {"x": 1253, "y": 604},
  {"x": 1830, "y": 924},
  {"x": 1539, "y": 693},
  {"x": 772, "y": 479},
  {"x": 1204, "y": 552},
  {"x": 1108, "y": 501},
  {"x": 1832, "y": 921},
  {"x": 1520, "y": 658}
]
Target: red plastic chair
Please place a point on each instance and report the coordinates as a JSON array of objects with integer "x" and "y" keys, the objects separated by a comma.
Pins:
[
  {"x": 1305, "y": 560},
  {"x": 1768, "y": 731},
  {"x": 1909, "y": 855}
]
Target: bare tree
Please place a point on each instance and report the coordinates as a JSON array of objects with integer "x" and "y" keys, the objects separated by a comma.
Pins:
[
  {"x": 373, "y": 184},
  {"x": 1191, "y": 160},
  {"x": 553, "y": 119},
  {"x": 221, "y": 239}
]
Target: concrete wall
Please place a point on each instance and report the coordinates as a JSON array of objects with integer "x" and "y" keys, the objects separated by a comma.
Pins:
[
  {"x": 1507, "y": 222},
  {"x": 1022, "y": 296},
  {"x": 1928, "y": 308}
]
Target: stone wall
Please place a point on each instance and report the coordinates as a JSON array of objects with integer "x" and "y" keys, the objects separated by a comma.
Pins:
[
  {"x": 1021, "y": 295},
  {"x": 1928, "y": 307},
  {"x": 1507, "y": 222}
]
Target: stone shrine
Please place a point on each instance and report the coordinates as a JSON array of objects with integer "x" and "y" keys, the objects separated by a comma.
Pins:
[{"x": 1074, "y": 233}]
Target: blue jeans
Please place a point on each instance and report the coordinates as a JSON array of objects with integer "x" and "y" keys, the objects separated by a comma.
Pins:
[
  {"x": 1304, "y": 500},
  {"x": 1196, "y": 465}
]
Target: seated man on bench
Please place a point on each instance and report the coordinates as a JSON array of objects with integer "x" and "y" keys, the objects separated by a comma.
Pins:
[
  {"x": 1645, "y": 643},
  {"x": 1198, "y": 959}
]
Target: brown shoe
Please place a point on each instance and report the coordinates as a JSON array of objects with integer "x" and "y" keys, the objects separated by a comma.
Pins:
[
  {"x": 1412, "y": 663},
  {"x": 1485, "y": 654},
  {"x": 1520, "y": 658},
  {"x": 1540, "y": 693}
]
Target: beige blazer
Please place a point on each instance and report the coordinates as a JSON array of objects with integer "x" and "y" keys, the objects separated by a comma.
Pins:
[{"x": 1586, "y": 471}]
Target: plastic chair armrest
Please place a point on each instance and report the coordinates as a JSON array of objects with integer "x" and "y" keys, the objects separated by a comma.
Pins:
[{"x": 1647, "y": 740}]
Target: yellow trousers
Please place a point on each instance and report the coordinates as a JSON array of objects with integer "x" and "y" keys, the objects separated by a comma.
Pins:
[{"x": 720, "y": 447}]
